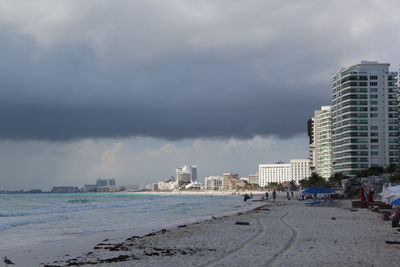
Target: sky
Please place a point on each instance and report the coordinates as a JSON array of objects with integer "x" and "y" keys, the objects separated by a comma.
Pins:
[{"x": 134, "y": 89}]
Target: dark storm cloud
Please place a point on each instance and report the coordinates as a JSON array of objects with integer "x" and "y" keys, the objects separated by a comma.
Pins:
[
  {"x": 162, "y": 83},
  {"x": 212, "y": 94}
]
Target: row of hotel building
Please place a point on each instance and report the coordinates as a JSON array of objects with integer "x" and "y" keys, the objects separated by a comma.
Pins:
[
  {"x": 360, "y": 128},
  {"x": 186, "y": 177},
  {"x": 295, "y": 170}
]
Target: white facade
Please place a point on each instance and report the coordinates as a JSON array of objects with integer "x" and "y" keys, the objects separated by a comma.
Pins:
[
  {"x": 365, "y": 125},
  {"x": 165, "y": 186},
  {"x": 213, "y": 183},
  {"x": 254, "y": 178},
  {"x": 323, "y": 141},
  {"x": 296, "y": 170},
  {"x": 194, "y": 185}
]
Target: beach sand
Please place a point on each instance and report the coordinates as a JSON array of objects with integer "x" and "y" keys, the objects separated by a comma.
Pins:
[{"x": 281, "y": 233}]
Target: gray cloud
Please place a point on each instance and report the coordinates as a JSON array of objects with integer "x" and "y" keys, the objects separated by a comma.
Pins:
[{"x": 180, "y": 70}]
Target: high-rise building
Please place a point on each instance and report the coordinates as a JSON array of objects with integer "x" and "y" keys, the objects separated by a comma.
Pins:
[
  {"x": 186, "y": 174},
  {"x": 323, "y": 142},
  {"x": 311, "y": 139},
  {"x": 296, "y": 170},
  {"x": 365, "y": 125}
]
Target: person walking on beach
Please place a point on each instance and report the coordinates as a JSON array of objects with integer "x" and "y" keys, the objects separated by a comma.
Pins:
[
  {"x": 266, "y": 195},
  {"x": 287, "y": 195},
  {"x": 274, "y": 195}
]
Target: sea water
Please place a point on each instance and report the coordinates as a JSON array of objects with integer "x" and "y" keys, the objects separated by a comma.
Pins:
[{"x": 32, "y": 219}]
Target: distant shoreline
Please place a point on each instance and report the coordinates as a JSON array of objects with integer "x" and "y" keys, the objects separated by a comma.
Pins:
[{"x": 152, "y": 192}]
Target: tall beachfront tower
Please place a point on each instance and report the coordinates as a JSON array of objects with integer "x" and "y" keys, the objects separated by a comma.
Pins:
[
  {"x": 311, "y": 139},
  {"x": 323, "y": 142},
  {"x": 365, "y": 124}
]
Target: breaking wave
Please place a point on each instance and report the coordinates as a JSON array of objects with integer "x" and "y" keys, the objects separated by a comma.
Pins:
[{"x": 8, "y": 225}]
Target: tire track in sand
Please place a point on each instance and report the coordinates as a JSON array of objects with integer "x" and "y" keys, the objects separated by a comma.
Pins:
[
  {"x": 278, "y": 256},
  {"x": 229, "y": 254}
]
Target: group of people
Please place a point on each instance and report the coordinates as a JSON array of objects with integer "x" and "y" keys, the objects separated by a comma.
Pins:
[
  {"x": 273, "y": 195},
  {"x": 247, "y": 197},
  {"x": 288, "y": 195}
]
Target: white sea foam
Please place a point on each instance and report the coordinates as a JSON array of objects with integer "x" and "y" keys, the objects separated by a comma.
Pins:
[
  {"x": 64, "y": 209},
  {"x": 8, "y": 225}
]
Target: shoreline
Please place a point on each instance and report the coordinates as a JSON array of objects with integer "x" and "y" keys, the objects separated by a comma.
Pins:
[
  {"x": 37, "y": 255},
  {"x": 207, "y": 193}
]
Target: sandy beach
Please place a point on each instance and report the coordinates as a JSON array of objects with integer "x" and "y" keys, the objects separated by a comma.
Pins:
[{"x": 281, "y": 233}]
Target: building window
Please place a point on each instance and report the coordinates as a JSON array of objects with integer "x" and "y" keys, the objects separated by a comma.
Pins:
[
  {"x": 373, "y": 83},
  {"x": 373, "y": 77},
  {"x": 373, "y": 115},
  {"x": 373, "y": 90},
  {"x": 374, "y": 140}
]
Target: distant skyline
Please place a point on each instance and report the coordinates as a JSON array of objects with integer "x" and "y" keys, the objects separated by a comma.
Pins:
[{"x": 132, "y": 90}]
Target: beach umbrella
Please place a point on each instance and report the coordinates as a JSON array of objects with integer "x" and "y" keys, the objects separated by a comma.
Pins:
[
  {"x": 396, "y": 202},
  {"x": 317, "y": 190},
  {"x": 311, "y": 190},
  {"x": 328, "y": 191},
  {"x": 370, "y": 198},
  {"x": 362, "y": 194}
]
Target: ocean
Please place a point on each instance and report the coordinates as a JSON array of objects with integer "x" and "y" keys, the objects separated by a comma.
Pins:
[{"x": 32, "y": 219}]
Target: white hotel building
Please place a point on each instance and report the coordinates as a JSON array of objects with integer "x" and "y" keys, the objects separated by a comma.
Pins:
[
  {"x": 323, "y": 142},
  {"x": 213, "y": 183},
  {"x": 296, "y": 170},
  {"x": 365, "y": 125}
]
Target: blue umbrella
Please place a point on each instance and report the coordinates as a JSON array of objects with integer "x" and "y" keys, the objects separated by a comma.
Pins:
[
  {"x": 396, "y": 202},
  {"x": 328, "y": 191},
  {"x": 317, "y": 190}
]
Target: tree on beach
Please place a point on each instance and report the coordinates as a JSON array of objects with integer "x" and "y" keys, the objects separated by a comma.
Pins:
[
  {"x": 303, "y": 183},
  {"x": 314, "y": 180},
  {"x": 371, "y": 171},
  {"x": 392, "y": 168},
  {"x": 394, "y": 178},
  {"x": 248, "y": 186},
  {"x": 293, "y": 185},
  {"x": 276, "y": 186},
  {"x": 336, "y": 178}
]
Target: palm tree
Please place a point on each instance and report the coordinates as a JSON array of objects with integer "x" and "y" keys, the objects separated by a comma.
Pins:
[
  {"x": 316, "y": 180},
  {"x": 336, "y": 178}
]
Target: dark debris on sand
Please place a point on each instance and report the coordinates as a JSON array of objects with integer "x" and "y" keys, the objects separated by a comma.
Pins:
[
  {"x": 133, "y": 249},
  {"x": 137, "y": 248}
]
